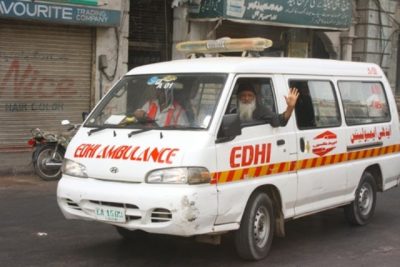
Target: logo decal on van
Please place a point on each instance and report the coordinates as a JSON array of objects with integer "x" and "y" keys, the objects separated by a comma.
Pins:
[
  {"x": 124, "y": 152},
  {"x": 369, "y": 135},
  {"x": 242, "y": 156},
  {"x": 324, "y": 143},
  {"x": 114, "y": 170}
]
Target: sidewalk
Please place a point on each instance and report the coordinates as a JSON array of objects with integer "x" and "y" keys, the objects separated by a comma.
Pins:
[{"x": 24, "y": 180}]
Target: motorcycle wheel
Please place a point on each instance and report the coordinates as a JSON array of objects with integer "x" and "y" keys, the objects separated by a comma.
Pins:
[{"x": 44, "y": 155}]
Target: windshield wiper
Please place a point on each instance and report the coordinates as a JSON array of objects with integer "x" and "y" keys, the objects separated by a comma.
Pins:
[
  {"x": 97, "y": 129},
  {"x": 139, "y": 131},
  {"x": 181, "y": 127}
]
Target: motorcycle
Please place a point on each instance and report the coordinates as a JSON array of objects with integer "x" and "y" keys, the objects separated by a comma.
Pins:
[{"x": 49, "y": 149}]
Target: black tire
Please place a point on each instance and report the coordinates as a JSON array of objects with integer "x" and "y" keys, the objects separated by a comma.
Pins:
[
  {"x": 254, "y": 237},
  {"x": 130, "y": 235},
  {"x": 43, "y": 155},
  {"x": 361, "y": 210}
]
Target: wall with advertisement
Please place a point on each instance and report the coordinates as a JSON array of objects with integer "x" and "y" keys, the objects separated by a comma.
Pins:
[{"x": 49, "y": 67}]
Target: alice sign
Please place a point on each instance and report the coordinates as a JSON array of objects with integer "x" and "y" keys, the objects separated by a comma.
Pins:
[{"x": 65, "y": 14}]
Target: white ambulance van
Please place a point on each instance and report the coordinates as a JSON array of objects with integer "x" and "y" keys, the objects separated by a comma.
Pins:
[{"x": 165, "y": 151}]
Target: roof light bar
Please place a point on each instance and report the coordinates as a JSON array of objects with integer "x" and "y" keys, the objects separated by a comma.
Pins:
[{"x": 224, "y": 45}]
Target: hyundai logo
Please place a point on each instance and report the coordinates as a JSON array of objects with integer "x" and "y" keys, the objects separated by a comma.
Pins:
[{"x": 113, "y": 169}]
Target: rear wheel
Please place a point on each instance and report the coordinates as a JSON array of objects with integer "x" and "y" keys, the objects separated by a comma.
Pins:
[
  {"x": 361, "y": 210},
  {"x": 254, "y": 237},
  {"x": 46, "y": 166}
]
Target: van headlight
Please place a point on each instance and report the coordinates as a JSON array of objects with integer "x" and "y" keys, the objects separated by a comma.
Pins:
[
  {"x": 184, "y": 175},
  {"x": 73, "y": 168}
]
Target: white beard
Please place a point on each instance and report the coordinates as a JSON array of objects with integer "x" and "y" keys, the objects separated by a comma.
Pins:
[{"x": 246, "y": 111}]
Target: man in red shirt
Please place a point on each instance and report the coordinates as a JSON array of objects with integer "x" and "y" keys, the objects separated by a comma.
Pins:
[{"x": 163, "y": 109}]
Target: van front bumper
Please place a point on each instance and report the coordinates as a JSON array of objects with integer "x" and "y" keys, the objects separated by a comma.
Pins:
[{"x": 182, "y": 210}]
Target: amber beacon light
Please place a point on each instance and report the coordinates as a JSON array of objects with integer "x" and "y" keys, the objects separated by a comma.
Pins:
[{"x": 222, "y": 45}]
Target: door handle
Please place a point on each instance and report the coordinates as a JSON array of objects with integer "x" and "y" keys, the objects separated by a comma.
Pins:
[
  {"x": 302, "y": 144},
  {"x": 280, "y": 142}
]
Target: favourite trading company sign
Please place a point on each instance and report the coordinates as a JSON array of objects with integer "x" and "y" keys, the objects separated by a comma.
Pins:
[{"x": 65, "y": 14}]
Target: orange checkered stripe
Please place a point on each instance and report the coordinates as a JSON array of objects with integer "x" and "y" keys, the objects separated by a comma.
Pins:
[{"x": 291, "y": 166}]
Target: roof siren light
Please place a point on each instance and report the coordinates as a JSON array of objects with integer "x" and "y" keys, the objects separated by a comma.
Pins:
[{"x": 224, "y": 45}]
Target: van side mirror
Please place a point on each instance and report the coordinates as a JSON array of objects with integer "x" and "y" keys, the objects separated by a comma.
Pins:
[
  {"x": 272, "y": 120},
  {"x": 230, "y": 128},
  {"x": 84, "y": 115}
]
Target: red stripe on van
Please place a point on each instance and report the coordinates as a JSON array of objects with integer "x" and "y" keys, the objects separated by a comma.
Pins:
[
  {"x": 363, "y": 153},
  {"x": 293, "y": 165},
  {"x": 282, "y": 167},
  {"x": 323, "y": 161},
  {"x": 257, "y": 172},
  {"x": 304, "y": 163},
  {"x": 341, "y": 156},
  {"x": 230, "y": 176},
  {"x": 314, "y": 162}
]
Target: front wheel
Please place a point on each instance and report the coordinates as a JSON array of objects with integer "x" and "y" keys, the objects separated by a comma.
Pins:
[
  {"x": 254, "y": 237},
  {"x": 46, "y": 166},
  {"x": 361, "y": 210}
]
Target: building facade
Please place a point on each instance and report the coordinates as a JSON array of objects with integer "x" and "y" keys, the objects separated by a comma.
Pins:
[
  {"x": 376, "y": 36},
  {"x": 150, "y": 31},
  {"x": 358, "y": 30},
  {"x": 57, "y": 58}
]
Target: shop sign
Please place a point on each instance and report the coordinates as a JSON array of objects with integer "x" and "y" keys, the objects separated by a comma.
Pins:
[
  {"x": 65, "y": 14},
  {"x": 78, "y": 2},
  {"x": 324, "y": 14}
]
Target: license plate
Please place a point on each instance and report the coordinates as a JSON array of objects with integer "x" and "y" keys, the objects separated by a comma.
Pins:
[{"x": 111, "y": 214}]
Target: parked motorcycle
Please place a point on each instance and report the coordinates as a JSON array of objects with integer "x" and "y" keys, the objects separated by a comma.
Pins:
[{"x": 49, "y": 149}]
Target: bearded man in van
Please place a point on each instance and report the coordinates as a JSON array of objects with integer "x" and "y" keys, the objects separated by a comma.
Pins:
[{"x": 250, "y": 110}]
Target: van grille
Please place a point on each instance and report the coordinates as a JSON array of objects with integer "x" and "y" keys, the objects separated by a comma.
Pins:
[
  {"x": 161, "y": 215},
  {"x": 114, "y": 204},
  {"x": 72, "y": 204}
]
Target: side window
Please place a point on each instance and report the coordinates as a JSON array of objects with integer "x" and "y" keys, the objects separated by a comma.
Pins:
[
  {"x": 317, "y": 104},
  {"x": 253, "y": 100},
  {"x": 364, "y": 102},
  {"x": 204, "y": 101}
]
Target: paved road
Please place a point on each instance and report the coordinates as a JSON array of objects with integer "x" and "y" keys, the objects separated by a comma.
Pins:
[{"x": 34, "y": 233}]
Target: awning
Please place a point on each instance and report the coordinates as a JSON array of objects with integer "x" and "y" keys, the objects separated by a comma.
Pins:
[{"x": 322, "y": 14}]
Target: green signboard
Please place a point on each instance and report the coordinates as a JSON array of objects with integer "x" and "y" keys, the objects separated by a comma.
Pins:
[
  {"x": 75, "y": 2},
  {"x": 325, "y": 14}
]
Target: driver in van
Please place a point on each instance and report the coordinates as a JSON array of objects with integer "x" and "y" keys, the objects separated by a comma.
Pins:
[
  {"x": 163, "y": 109},
  {"x": 250, "y": 110}
]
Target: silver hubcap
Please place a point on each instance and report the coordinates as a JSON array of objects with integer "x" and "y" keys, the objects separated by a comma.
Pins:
[
  {"x": 365, "y": 199},
  {"x": 44, "y": 159},
  {"x": 261, "y": 226}
]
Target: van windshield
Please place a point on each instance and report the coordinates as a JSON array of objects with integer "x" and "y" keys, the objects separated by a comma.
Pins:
[{"x": 173, "y": 101}]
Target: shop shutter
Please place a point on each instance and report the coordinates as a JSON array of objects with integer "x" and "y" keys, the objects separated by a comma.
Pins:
[{"x": 45, "y": 77}]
